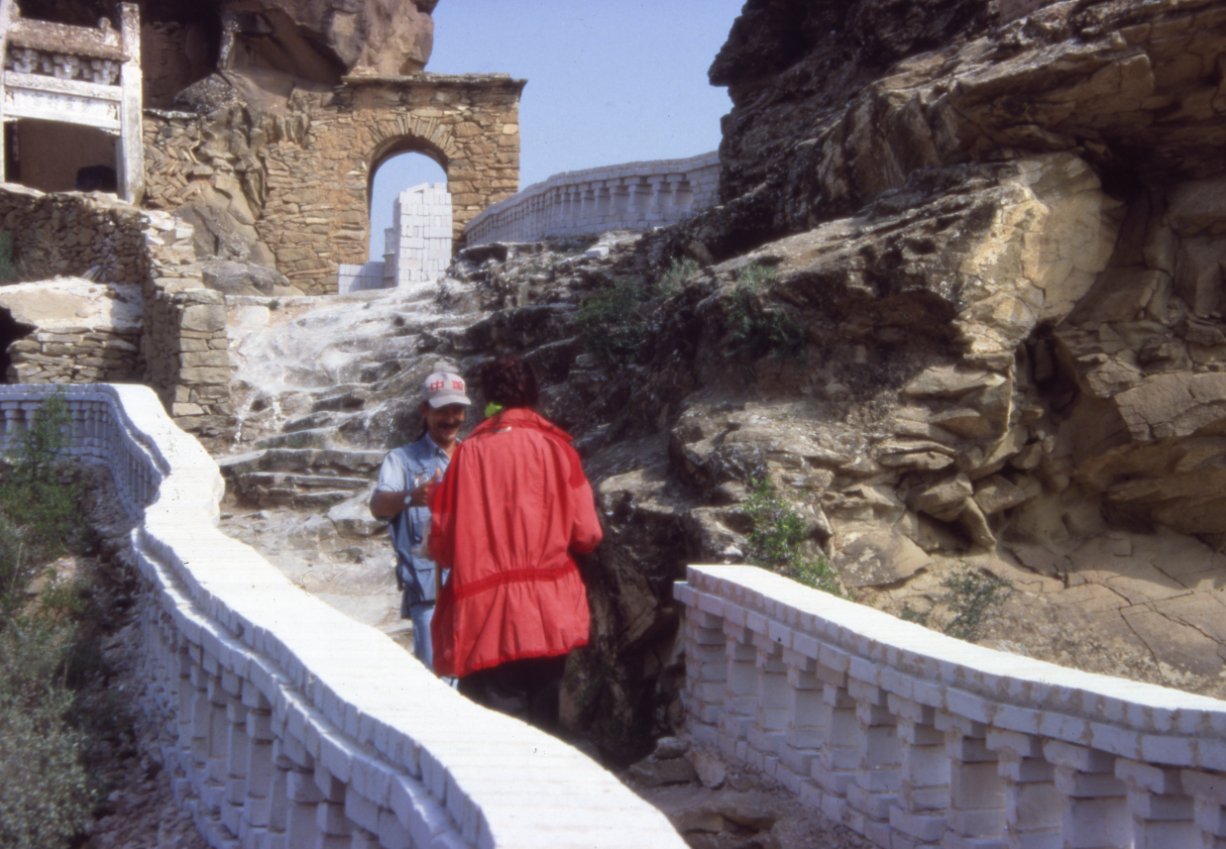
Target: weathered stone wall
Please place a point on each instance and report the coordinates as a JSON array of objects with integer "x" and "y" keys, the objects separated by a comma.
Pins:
[
  {"x": 149, "y": 317},
  {"x": 184, "y": 344},
  {"x": 65, "y": 235},
  {"x": 293, "y": 185},
  {"x": 83, "y": 332}
]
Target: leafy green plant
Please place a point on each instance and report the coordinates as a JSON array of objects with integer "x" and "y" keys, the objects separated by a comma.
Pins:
[
  {"x": 970, "y": 597},
  {"x": 33, "y": 494},
  {"x": 778, "y": 539},
  {"x": 754, "y": 329},
  {"x": 754, "y": 276},
  {"x": 46, "y": 797},
  {"x": 674, "y": 277},
  {"x": 968, "y": 602},
  {"x": 610, "y": 322}
]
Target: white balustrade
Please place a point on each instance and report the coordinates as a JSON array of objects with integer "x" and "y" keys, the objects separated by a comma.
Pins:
[
  {"x": 915, "y": 739},
  {"x": 633, "y": 196},
  {"x": 287, "y": 725}
]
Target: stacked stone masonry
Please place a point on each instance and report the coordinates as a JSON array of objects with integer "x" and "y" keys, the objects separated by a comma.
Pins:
[
  {"x": 286, "y": 725},
  {"x": 177, "y": 340},
  {"x": 417, "y": 247},
  {"x": 915, "y": 739},
  {"x": 419, "y": 240},
  {"x": 633, "y": 196}
]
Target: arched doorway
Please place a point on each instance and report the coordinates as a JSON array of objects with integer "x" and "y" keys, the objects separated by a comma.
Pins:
[
  {"x": 392, "y": 176},
  {"x": 410, "y": 222}
]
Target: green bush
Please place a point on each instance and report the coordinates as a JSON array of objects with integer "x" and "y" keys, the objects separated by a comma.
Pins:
[
  {"x": 754, "y": 276},
  {"x": 970, "y": 597},
  {"x": 969, "y": 600},
  {"x": 778, "y": 536},
  {"x": 46, "y": 797},
  {"x": 610, "y": 323},
  {"x": 754, "y": 329},
  {"x": 673, "y": 279},
  {"x": 33, "y": 494}
]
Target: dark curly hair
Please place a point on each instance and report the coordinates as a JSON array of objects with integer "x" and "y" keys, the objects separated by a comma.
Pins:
[{"x": 509, "y": 381}]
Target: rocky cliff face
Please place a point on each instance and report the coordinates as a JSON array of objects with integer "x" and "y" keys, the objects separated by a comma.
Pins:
[
  {"x": 1047, "y": 178},
  {"x": 310, "y": 39},
  {"x": 960, "y": 307}
]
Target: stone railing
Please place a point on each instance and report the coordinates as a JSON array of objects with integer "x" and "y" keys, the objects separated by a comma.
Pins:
[
  {"x": 635, "y": 196},
  {"x": 287, "y": 725},
  {"x": 915, "y": 739}
]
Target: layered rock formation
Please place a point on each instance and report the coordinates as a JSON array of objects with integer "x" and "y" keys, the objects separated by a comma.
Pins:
[
  {"x": 1048, "y": 188},
  {"x": 960, "y": 305},
  {"x": 309, "y": 39}
]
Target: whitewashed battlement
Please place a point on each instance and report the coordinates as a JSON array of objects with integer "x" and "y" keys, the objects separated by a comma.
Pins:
[
  {"x": 634, "y": 196},
  {"x": 287, "y": 725},
  {"x": 915, "y": 739}
]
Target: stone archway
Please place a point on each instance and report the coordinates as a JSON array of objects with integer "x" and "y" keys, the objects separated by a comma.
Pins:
[
  {"x": 412, "y": 134},
  {"x": 317, "y": 190}
]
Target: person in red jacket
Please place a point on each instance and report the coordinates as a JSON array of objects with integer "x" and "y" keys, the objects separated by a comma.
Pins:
[{"x": 508, "y": 519}]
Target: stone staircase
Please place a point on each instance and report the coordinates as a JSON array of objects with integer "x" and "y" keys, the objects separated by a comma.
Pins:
[
  {"x": 323, "y": 387},
  {"x": 304, "y": 478}
]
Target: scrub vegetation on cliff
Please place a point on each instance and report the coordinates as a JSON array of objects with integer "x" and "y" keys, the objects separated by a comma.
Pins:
[{"x": 58, "y": 721}]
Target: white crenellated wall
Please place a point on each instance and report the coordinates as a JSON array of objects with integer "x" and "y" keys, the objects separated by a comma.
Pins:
[
  {"x": 417, "y": 247},
  {"x": 418, "y": 244},
  {"x": 915, "y": 739},
  {"x": 633, "y": 196},
  {"x": 287, "y": 725}
]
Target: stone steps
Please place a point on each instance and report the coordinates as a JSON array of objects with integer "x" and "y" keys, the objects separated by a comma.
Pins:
[
  {"x": 299, "y": 477},
  {"x": 271, "y": 489}
]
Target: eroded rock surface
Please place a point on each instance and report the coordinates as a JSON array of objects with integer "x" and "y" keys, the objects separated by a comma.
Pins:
[
  {"x": 312, "y": 39},
  {"x": 960, "y": 306}
]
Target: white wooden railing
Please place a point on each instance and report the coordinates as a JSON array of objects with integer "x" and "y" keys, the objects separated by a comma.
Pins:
[
  {"x": 915, "y": 739},
  {"x": 287, "y": 725},
  {"x": 633, "y": 196}
]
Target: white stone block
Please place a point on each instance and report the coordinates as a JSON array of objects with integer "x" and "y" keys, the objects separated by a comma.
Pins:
[
  {"x": 361, "y": 810},
  {"x": 1174, "y": 751}
]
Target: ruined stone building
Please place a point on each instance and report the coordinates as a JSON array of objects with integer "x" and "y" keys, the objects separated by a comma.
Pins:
[{"x": 259, "y": 123}]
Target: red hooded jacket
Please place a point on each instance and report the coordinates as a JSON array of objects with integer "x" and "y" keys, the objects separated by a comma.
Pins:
[{"x": 507, "y": 517}]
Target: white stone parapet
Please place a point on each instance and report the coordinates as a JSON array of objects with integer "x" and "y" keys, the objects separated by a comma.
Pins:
[
  {"x": 634, "y": 196},
  {"x": 916, "y": 739},
  {"x": 287, "y": 725},
  {"x": 418, "y": 244}
]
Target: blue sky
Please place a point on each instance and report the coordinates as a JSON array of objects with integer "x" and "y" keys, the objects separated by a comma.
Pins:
[{"x": 609, "y": 81}]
